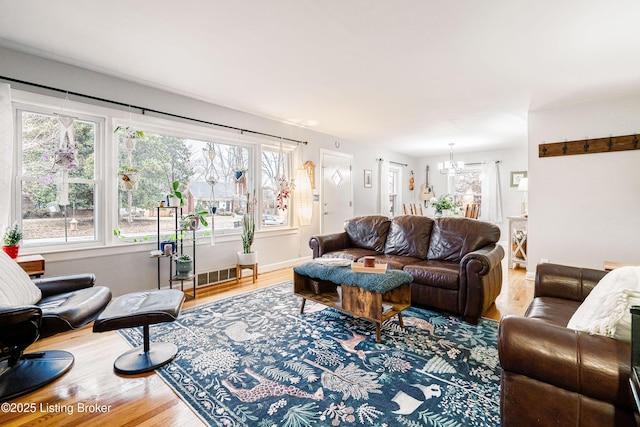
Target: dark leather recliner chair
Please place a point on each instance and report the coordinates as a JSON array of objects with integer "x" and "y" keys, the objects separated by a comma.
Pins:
[
  {"x": 68, "y": 302},
  {"x": 556, "y": 376}
]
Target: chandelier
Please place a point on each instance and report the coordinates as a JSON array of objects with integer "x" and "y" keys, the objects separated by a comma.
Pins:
[{"x": 450, "y": 167}]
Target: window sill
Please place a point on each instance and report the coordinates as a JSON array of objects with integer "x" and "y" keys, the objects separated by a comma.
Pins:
[{"x": 118, "y": 248}]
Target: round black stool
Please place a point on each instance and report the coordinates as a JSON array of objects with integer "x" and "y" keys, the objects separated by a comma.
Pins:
[{"x": 142, "y": 309}]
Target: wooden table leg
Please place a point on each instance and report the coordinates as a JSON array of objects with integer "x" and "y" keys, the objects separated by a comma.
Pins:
[
  {"x": 302, "y": 305},
  {"x": 377, "y": 332},
  {"x": 400, "y": 319}
]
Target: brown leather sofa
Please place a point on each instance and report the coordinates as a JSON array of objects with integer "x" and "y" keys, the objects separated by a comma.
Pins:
[
  {"x": 555, "y": 376},
  {"x": 455, "y": 262}
]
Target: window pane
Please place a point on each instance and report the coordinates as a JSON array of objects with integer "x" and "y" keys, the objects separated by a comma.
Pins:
[
  {"x": 274, "y": 166},
  {"x": 206, "y": 173},
  {"x": 46, "y": 183},
  {"x": 468, "y": 187},
  {"x": 44, "y": 221}
]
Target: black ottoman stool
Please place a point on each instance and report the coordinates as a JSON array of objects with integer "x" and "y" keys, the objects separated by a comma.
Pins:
[{"x": 142, "y": 309}]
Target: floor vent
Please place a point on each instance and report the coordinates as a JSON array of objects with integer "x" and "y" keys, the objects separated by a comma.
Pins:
[{"x": 212, "y": 277}]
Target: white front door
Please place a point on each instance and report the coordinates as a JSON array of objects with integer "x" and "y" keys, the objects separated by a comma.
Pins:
[{"x": 337, "y": 191}]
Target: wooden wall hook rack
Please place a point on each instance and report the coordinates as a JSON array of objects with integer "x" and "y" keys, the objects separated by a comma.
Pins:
[{"x": 589, "y": 146}]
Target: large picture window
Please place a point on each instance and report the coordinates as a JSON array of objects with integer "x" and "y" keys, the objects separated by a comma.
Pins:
[
  {"x": 79, "y": 184},
  {"x": 213, "y": 178},
  {"x": 57, "y": 178}
]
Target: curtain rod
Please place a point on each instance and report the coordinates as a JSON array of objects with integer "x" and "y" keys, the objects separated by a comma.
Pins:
[
  {"x": 144, "y": 109},
  {"x": 394, "y": 163},
  {"x": 480, "y": 163}
]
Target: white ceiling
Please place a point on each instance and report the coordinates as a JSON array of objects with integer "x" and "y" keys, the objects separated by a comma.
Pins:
[{"x": 414, "y": 75}]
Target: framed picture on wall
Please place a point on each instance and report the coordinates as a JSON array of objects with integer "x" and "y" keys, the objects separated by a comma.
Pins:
[
  {"x": 367, "y": 179},
  {"x": 516, "y": 177}
]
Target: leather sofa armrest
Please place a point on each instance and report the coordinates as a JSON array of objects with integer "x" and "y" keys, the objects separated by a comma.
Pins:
[
  {"x": 488, "y": 256},
  {"x": 591, "y": 365},
  {"x": 328, "y": 243},
  {"x": 61, "y": 284},
  {"x": 566, "y": 282}
]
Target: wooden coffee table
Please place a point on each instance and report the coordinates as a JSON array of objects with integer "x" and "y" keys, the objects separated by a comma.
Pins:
[{"x": 356, "y": 301}]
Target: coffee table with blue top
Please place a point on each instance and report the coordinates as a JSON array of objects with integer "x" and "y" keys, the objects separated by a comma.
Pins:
[{"x": 371, "y": 296}]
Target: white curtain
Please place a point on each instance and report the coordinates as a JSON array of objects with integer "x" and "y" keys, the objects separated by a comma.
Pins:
[
  {"x": 383, "y": 185},
  {"x": 491, "y": 210},
  {"x": 6, "y": 153}
]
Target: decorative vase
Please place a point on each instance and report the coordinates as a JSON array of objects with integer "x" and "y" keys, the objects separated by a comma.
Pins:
[
  {"x": 12, "y": 251},
  {"x": 438, "y": 214},
  {"x": 183, "y": 268},
  {"x": 247, "y": 259},
  {"x": 174, "y": 201}
]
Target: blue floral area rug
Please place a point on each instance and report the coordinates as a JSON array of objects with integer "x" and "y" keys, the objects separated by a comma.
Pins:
[{"x": 254, "y": 360}]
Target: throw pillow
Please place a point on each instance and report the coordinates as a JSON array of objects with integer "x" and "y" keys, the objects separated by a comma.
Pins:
[
  {"x": 16, "y": 288},
  {"x": 605, "y": 311}
]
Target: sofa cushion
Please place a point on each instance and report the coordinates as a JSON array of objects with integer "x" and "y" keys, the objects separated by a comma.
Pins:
[
  {"x": 409, "y": 236},
  {"x": 453, "y": 237},
  {"x": 440, "y": 274},
  {"x": 605, "y": 311},
  {"x": 368, "y": 232},
  {"x": 16, "y": 288}
]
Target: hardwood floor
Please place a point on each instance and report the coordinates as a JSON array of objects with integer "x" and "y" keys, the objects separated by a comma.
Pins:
[{"x": 91, "y": 393}]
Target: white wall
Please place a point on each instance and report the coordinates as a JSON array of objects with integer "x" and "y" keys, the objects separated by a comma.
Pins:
[
  {"x": 135, "y": 271},
  {"x": 583, "y": 209}
]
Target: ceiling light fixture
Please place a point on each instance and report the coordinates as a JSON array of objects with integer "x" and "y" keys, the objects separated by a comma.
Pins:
[{"x": 450, "y": 167}]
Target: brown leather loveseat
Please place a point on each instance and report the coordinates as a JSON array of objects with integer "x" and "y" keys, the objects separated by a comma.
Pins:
[
  {"x": 555, "y": 376},
  {"x": 455, "y": 262}
]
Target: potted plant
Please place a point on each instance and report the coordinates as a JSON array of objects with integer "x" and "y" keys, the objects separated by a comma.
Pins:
[
  {"x": 192, "y": 220},
  {"x": 129, "y": 136},
  {"x": 129, "y": 177},
  {"x": 247, "y": 257},
  {"x": 442, "y": 204},
  {"x": 11, "y": 241},
  {"x": 184, "y": 264},
  {"x": 176, "y": 197}
]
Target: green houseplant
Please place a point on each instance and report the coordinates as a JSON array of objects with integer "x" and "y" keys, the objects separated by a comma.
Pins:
[
  {"x": 247, "y": 257},
  {"x": 191, "y": 220},
  {"x": 184, "y": 264},
  {"x": 443, "y": 203},
  {"x": 129, "y": 136},
  {"x": 176, "y": 198},
  {"x": 11, "y": 240}
]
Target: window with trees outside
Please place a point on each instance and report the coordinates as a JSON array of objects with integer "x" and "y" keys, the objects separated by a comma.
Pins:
[
  {"x": 212, "y": 177},
  {"x": 62, "y": 197},
  {"x": 468, "y": 187},
  {"x": 57, "y": 177}
]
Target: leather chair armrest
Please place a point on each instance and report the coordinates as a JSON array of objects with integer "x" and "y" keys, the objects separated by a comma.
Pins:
[
  {"x": 566, "y": 282},
  {"x": 328, "y": 243},
  {"x": 591, "y": 365},
  {"x": 488, "y": 258},
  {"x": 61, "y": 284}
]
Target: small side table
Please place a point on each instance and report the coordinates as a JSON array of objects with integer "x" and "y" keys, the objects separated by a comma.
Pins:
[
  {"x": 32, "y": 264},
  {"x": 254, "y": 270}
]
